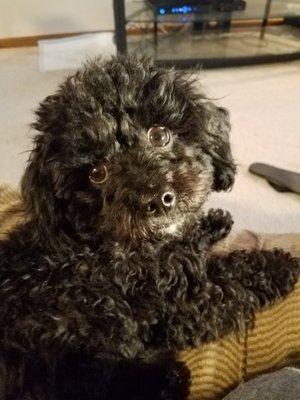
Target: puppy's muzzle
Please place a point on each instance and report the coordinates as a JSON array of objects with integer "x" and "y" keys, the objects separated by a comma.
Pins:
[{"x": 157, "y": 203}]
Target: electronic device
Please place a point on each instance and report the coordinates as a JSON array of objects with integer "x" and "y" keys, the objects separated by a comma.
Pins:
[{"x": 165, "y": 7}]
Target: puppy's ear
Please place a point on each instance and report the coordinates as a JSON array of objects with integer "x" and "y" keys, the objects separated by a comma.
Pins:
[
  {"x": 36, "y": 184},
  {"x": 50, "y": 115},
  {"x": 216, "y": 145},
  {"x": 36, "y": 188}
]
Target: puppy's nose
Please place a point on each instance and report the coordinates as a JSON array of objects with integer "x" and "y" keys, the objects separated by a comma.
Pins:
[{"x": 157, "y": 203}]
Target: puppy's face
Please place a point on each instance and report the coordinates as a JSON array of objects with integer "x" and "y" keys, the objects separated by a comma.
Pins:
[{"x": 127, "y": 150}]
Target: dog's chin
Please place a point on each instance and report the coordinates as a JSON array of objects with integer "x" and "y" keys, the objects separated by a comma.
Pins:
[
  {"x": 151, "y": 229},
  {"x": 173, "y": 227}
]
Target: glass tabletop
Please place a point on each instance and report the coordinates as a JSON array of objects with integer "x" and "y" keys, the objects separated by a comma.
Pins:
[{"x": 216, "y": 36}]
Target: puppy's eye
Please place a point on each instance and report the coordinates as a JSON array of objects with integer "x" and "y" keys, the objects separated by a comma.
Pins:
[
  {"x": 99, "y": 174},
  {"x": 159, "y": 136}
]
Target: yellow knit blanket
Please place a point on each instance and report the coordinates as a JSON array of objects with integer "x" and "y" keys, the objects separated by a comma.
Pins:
[{"x": 217, "y": 367}]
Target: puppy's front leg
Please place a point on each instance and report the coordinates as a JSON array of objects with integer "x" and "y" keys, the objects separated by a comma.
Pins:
[{"x": 251, "y": 280}]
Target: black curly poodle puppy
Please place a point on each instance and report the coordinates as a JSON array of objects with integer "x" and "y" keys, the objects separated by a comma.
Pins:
[{"x": 109, "y": 274}]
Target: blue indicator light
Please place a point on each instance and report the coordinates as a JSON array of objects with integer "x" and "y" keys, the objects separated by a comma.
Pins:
[
  {"x": 181, "y": 10},
  {"x": 162, "y": 11}
]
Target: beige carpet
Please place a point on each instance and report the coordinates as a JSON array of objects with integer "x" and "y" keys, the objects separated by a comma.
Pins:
[{"x": 265, "y": 106}]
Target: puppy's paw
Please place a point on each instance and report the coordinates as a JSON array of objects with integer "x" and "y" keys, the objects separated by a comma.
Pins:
[
  {"x": 177, "y": 382},
  {"x": 219, "y": 224}
]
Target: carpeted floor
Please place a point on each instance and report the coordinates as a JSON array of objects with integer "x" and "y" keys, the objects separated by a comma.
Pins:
[{"x": 265, "y": 106}]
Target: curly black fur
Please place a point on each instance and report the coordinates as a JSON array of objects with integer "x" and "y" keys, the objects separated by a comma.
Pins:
[{"x": 95, "y": 296}]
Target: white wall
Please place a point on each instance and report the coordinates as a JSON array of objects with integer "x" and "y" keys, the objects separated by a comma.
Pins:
[{"x": 39, "y": 17}]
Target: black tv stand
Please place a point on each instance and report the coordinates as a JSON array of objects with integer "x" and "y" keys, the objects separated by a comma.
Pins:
[{"x": 168, "y": 41}]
